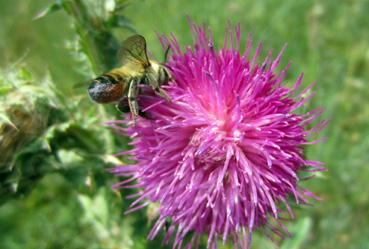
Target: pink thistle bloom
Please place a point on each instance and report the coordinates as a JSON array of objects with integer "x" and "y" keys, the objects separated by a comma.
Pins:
[{"x": 223, "y": 157}]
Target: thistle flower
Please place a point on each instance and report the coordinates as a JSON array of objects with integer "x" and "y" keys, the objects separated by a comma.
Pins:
[{"x": 222, "y": 158}]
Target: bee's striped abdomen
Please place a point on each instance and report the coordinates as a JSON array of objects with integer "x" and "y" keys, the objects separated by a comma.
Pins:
[{"x": 106, "y": 89}]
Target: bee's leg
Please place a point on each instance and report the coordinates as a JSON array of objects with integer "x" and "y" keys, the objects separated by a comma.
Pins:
[
  {"x": 162, "y": 93},
  {"x": 123, "y": 105},
  {"x": 132, "y": 98}
]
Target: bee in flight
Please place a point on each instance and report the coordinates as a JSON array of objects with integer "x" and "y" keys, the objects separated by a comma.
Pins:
[{"x": 121, "y": 84}]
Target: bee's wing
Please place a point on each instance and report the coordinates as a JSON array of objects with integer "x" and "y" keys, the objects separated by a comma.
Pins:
[{"x": 133, "y": 51}]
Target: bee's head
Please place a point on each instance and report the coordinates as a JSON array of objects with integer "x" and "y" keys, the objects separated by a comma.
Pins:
[
  {"x": 164, "y": 75},
  {"x": 157, "y": 76}
]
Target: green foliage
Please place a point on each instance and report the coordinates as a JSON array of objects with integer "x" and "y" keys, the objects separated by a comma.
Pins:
[
  {"x": 50, "y": 137},
  {"x": 28, "y": 110},
  {"x": 94, "y": 22},
  {"x": 54, "y": 188}
]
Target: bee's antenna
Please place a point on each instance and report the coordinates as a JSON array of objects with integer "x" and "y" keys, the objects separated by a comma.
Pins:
[{"x": 166, "y": 54}]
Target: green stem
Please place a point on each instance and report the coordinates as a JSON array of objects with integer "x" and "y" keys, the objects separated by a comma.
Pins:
[
  {"x": 88, "y": 29},
  {"x": 85, "y": 31},
  {"x": 109, "y": 142}
]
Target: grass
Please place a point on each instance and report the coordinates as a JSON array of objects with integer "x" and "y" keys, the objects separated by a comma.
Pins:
[{"x": 328, "y": 41}]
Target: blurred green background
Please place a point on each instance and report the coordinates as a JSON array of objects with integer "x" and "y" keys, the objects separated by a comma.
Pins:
[{"x": 55, "y": 190}]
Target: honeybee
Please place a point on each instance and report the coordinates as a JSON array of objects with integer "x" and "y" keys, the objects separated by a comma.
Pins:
[{"x": 121, "y": 84}]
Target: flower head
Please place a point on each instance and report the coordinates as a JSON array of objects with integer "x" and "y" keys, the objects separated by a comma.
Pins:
[{"x": 225, "y": 153}]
